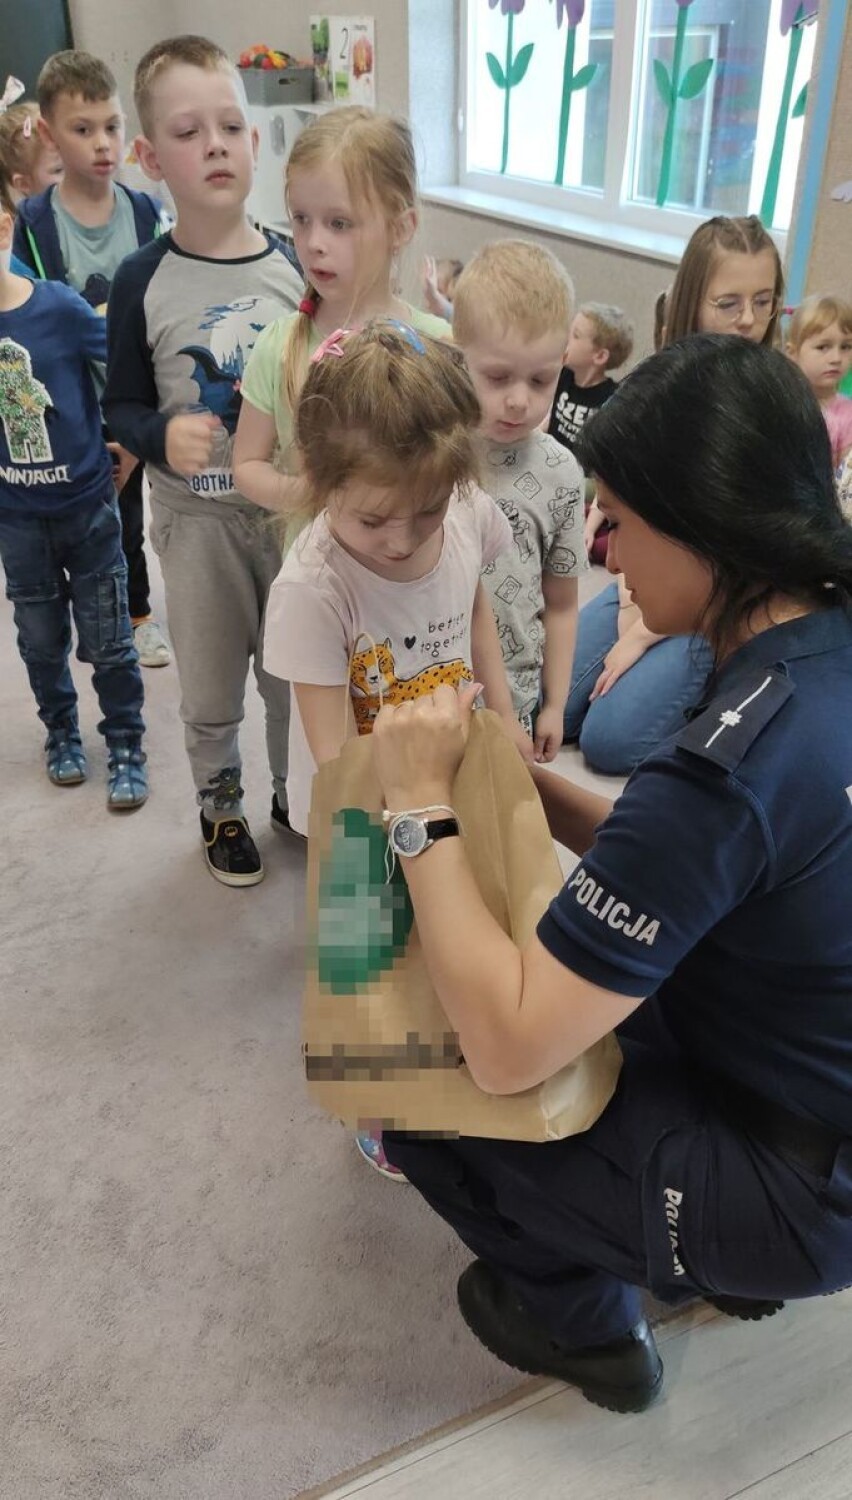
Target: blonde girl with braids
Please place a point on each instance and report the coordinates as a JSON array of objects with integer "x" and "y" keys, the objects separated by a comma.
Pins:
[
  {"x": 27, "y": 164},
  {"x": 379, "y": 599},
  {"x": 351, "y": 195}
]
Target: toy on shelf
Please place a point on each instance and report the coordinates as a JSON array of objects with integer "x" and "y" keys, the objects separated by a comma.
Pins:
[
  {"x": 272, "y": 76},
  {"x": 263, "y": 56}
]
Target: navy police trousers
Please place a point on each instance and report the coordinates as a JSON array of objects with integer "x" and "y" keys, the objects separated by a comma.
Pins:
[{"x": 661, "y": 1193}]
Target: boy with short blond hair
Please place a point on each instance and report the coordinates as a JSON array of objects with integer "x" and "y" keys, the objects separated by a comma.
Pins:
[
  {"x": 79, "y": 231},
  {"x": 600, "y": 341},
  {"x": 512, "y": 312},
  {"x": 184, "y": 314}
]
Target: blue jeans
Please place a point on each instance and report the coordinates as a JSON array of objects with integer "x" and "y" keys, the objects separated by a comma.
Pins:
[
  {"x": 644, "y": 706},
  {"x": 74, "y": 562}
]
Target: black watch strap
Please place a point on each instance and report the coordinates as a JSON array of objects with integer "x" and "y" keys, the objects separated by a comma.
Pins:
[{"x": 442, "y": 828}]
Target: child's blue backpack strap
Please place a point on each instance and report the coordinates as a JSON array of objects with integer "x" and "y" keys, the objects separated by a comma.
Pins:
[{"x": 18, "y": 268}]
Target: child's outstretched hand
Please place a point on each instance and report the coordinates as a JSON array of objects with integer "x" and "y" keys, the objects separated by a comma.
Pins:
[
  {"x": 435, "y": 301},
  {"x": 189, "y": 441},
  {"x": 623, "y": 655},
  {"x": 548, "y": 734}
]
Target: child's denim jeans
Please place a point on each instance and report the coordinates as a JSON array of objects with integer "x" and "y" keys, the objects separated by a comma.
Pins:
[
  {"x": 644, "y": 706},
  {"x": 74, "y": 562}
]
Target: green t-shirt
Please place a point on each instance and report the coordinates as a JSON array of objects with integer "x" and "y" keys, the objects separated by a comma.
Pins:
[{"x": 261, "y": 383}]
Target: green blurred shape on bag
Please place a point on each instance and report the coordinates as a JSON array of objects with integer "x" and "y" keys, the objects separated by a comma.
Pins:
[{"x": 364, "y": 917}]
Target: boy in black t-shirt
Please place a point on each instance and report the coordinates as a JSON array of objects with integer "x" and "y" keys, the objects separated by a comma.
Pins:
[{"x": 601, "y": 339}]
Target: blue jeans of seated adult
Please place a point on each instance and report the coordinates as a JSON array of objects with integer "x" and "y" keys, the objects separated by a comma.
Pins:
[
  {"x": 64, "y": 563},
  {"x": 644, "y": 706}
]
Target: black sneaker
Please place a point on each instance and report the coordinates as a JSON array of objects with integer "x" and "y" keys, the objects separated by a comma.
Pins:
[
  {"x": 230, "y": 851},
  {"x": 280, "y": 820},
  {"x": 625, "y": 1374}
]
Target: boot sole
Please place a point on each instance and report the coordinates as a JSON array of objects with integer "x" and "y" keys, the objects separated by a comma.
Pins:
[
  {"x": 622, "y": 1399},
  {"x": 746, "y": 1312},
  {"x": 122, "y": 807}
]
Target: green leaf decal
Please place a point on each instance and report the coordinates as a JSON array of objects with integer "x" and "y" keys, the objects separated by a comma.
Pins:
[
  {"x": 801, "y": 103},
  {"x": 663, "y": 82},
  {"x": 495, "y": 70},
  {"x": 363, "y": 918},
  {"x": 695, "y": 78},
  {"x": 584, "y": 76},
  {"x": 520, "y": 65}
]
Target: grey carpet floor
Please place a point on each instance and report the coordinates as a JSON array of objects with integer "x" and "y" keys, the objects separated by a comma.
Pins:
[{"x": 204, "y": 1294}]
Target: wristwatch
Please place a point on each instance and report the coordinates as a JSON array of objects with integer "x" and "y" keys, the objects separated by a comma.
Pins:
[{"x": 410, "y": 833}]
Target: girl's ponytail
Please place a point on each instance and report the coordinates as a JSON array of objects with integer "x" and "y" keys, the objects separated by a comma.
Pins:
[{"x": 295, "y": 357}]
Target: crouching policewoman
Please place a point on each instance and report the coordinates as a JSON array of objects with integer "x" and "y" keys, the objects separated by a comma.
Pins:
[{"x": 709, "y": 920}]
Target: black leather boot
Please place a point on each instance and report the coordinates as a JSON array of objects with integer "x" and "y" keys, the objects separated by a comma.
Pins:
[{"x": 625, "y": 1374}]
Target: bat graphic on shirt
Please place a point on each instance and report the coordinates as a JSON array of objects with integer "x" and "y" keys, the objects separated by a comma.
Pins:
[{"x": 218, "y": 388}]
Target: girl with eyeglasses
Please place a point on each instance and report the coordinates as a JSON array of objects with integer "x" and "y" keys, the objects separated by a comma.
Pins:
[
  {"x": 730, "y": 280},
  {"x": 631, "y": 687}
]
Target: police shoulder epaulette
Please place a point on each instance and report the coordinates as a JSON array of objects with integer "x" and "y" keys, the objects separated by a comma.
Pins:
[{"x": 729, "y": 726}]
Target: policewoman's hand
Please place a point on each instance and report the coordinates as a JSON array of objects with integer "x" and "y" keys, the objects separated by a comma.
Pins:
[{"x": 418, "y": 746}]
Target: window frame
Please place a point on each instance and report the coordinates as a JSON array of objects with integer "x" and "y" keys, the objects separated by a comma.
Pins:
[{"x": 610, "y": 209}]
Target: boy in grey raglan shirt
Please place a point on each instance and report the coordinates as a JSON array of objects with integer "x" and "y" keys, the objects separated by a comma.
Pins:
[
  {"x": 184, "y": 313},
  {"x": 511, "y": 315}
]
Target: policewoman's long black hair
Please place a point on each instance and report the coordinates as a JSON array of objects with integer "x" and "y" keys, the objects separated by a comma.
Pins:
[{"x": 721, "y": 445}]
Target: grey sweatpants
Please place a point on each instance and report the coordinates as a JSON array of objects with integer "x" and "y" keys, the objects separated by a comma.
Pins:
[{"x": 218, "y": 564}]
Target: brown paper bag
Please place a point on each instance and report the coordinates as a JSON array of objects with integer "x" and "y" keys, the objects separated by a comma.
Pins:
[{"x": 379, "y": 1051}]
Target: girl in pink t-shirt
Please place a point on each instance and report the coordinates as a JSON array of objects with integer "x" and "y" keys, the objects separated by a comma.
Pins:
[
  {"x": 379, "y": 599},
  {"x": 819, "y": 341}
]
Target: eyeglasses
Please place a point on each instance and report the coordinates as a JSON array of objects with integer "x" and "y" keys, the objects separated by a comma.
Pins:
[{"x": 731, "y": 309}]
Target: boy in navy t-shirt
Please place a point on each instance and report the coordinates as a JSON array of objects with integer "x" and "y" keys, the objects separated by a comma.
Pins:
[
  {"x": 79, "y": 232},
  {"x": 60, "y": 534},
  {"x": 601, "y": 340}
]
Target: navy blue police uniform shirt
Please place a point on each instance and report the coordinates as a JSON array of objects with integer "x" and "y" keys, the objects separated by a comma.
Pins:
[{"x": 722, "y": 880}]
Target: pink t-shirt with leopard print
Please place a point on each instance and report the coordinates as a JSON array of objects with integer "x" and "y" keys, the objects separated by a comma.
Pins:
[{"x": 409, "y": 636}]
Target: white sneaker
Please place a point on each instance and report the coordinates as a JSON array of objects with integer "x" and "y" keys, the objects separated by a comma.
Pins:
[{"x": 151, "y": 645}]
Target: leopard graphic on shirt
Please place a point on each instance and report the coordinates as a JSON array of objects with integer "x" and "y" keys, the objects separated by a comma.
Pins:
[{"x": 373, "y": 681}]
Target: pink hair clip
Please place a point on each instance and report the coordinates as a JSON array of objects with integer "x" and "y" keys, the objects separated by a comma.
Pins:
[
  {"x": 27, "y": 127},
  {"x": 333, "y": 345}
]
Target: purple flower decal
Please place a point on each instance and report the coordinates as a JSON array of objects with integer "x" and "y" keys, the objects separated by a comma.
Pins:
[
  {"x": 573, "y": 9},
  {"x": 790, "y": 9},
  {"x": 508, "y": 7}
]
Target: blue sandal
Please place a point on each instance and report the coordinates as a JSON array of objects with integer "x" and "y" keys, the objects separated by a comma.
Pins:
[
  {"x": 65, "y": 761},
  {"x": 127, "y": 784}
]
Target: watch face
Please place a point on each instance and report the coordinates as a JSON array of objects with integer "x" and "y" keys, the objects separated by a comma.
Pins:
[{"x": 409, "y": 836}]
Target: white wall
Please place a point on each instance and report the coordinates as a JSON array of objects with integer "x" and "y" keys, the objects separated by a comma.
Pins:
[{"x": 121, "y": 30}]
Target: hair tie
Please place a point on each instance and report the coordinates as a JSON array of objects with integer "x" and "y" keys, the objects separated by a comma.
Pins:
[
  {"x": 308, "y": 306},
  {"x": 408, "y": 333},
  {"x": 12, "y": 91},
  {"x": 333, "y": 346}
]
